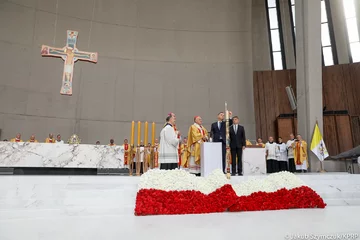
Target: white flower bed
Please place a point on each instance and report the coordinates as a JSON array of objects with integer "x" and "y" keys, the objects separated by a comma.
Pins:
[
  {"x": 180, "y": 180},
  {"x": 271, "y": 183}
]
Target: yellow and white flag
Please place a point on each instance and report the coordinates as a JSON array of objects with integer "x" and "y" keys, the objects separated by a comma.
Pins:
[{"x": 318, "y": 145}]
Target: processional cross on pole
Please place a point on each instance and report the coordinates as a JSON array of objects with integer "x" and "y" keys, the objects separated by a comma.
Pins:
[{"x": 70, "y": 54}]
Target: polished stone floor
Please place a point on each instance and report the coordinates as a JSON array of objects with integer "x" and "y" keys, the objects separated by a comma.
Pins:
[{"x": 101, "y": 207}]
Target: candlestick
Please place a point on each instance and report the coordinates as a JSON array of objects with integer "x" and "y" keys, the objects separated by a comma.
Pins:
[
  {"x": 132, "y": 132},
  {"x": 146, "y": 134},
  {"x": 139, "y": 133},
  {"x": 227, "y": 138},
  {"x": 153, "y": 134}
]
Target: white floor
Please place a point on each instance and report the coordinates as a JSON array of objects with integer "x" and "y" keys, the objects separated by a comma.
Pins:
[{"x": 101, "y": 207}]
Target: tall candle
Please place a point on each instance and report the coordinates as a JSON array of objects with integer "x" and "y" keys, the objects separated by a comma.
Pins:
[
  {"x": 139, "y": 133},
  {"x": 146, "y": 133},
  {"x": 153, "y": 134},
  {"x": 132, "y": 132}
]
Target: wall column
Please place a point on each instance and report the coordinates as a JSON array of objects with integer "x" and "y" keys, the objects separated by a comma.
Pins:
[{"x": 309, "y": 71}]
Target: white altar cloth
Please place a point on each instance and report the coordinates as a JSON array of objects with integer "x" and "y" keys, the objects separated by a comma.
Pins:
[
  {"x": 211, "y": 157},
  {"x": 254, "y": 162},
  {"x": 60, "y": 155}
]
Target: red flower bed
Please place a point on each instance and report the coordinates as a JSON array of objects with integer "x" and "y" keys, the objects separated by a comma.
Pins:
[
  {"x": 158, "y": 202},
  {"x": 301, "y": 197}
]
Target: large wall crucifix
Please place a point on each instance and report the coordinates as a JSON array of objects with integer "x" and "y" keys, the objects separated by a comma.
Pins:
[{"x": 70, "y": 54}]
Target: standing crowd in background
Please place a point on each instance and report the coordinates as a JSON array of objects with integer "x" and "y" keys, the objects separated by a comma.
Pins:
[{"x": 290, "y": 156}]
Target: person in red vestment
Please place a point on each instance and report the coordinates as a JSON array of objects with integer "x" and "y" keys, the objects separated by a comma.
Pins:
[{"x": 126, "y": 151}]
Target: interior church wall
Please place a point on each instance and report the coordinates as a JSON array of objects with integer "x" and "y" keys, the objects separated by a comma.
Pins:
[
  {"x": 260, "y": 37},
  {"x": 261, "y": 41},
  {"x": 288, "y": 38},
  {"x": 155, "y": 57},
  {"x": 340, "y": 32},
  {"x": 340, "y": 88}
]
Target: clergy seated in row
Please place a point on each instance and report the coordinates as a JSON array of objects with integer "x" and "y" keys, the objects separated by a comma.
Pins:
[
  {"x": 112, "y": 143},
  {"x": 17, "y": 138},
  {"x": 32, "y": 139},
  {"x": 259, "y": 142},
  {"x": 58, "y": 139},
  {"x": 50, "y": 139}
]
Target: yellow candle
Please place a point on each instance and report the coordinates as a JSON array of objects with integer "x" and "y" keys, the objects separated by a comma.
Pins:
[
  {"x": 139, "y": 133},
  {"x": 132, "y": 132},
  {"x": 146, "y": 133},
  {"x": 153, "y": 134}
]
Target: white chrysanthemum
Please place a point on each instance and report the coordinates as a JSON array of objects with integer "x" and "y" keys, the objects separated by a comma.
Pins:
[
  {"x": 180, "y": 180},
  {"x": 271, "y": 183}
]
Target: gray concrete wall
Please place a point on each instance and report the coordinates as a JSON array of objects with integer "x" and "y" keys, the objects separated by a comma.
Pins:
[
  {"x": 261, "y": 49},
  {"x": 260, "y": 35},
  {"x": 288, "y": 38},
  {"x": 155, "y": 56},
  {"x": 340, "y": 31}
]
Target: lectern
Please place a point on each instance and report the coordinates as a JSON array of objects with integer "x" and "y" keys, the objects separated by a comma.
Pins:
[{"x": 211, "y": 157}]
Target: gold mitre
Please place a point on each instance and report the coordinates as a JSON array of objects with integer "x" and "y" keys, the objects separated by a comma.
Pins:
[{"x": 74, "y": 139}]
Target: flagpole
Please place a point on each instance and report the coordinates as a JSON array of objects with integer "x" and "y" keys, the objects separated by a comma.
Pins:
[{"x": 322, "y": 170}]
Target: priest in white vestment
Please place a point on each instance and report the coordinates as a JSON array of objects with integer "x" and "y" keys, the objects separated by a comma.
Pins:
[
  {"x": 272, "y": 165},
  {"x": 281, "y": 155},
  {"x": 169, "y": 142},
  {"x": 290, "y": 147}
]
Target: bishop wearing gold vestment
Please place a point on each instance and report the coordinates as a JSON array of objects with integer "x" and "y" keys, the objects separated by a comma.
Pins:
[
  {"x": 184, "y": 154},
  {"x": 196, "y": 136},
  {"x": 50, "y": 139},
  {"x": 300, "y": 154},
  {"x": 17, "y": 138},
  {"x": 32, "y": 139}
]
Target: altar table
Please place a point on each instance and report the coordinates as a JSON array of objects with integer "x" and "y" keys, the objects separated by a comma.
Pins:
[{"x": 60, "y": 155}]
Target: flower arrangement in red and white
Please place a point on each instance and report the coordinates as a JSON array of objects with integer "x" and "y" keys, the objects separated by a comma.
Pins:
[{"x": 178, "y": 192}]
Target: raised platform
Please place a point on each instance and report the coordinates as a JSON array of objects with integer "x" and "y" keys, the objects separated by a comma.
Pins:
[{"x": 101, "y": 207}]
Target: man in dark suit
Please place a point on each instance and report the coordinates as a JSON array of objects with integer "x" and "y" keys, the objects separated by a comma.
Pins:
[
  {"x": 237, "y": 145},
  {"x": 219, "y": 135}
]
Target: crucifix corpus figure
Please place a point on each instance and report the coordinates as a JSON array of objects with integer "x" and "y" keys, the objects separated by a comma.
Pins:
[{"x": 70, "y": 54}]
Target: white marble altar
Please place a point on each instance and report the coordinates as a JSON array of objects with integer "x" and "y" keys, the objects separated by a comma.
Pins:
[
  {"x": 60, "y": 155},
  {"x": 254, "y": 162},
  {"x": 211, "y": 157},
  {"x": 102, "y": 207}
]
